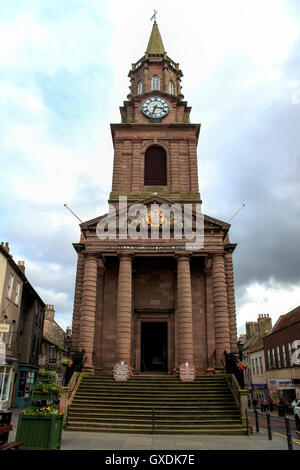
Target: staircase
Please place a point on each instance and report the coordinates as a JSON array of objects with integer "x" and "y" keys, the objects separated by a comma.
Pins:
[{"x": 205, "y": 406}]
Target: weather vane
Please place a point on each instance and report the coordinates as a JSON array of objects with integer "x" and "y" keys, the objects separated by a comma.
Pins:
[{"x": 154, "y": 16}]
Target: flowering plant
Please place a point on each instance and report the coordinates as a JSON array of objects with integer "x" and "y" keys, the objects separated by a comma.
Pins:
[
  {"x": 243, "y": 365},
  {"x": 46, "y": 388},
  {"x": 44, "y": 411},
  {"x": 67, "y": 362}
]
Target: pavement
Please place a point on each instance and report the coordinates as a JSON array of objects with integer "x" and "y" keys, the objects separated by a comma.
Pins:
[{"x": 115, "y": 441}]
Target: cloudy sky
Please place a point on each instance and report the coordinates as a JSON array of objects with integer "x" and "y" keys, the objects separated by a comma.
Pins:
[{"x": 63, "y": 76}]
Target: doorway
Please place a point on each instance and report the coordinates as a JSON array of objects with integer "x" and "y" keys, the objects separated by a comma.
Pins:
[{"x": 154, "y": 346}]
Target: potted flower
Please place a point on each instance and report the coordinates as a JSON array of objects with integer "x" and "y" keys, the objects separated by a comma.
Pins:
[
  {"x": 243, "y": 365},
  {"x": 45, "y": 392},
  {"x": 40, "y": 428},
  {"x": 66, "y": 362}
]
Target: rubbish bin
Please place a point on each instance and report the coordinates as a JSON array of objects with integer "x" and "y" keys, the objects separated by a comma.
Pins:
[{"x": 281, "y": 410}]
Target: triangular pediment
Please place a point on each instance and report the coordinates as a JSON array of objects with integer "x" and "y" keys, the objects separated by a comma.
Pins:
[{"x": 210, "y": 223}]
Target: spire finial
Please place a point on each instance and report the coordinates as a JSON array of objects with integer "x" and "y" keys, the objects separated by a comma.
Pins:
[{"x": 154, "y": 16}]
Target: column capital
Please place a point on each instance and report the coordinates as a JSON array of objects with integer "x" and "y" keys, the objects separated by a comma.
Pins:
[{"x": 183, "y": 256}]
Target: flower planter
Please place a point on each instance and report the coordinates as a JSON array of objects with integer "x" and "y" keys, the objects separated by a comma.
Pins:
[{"x": 40, "y": 432}]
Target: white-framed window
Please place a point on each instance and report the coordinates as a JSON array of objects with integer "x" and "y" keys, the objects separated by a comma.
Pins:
[
  {"x": 11, "y": 335},
  {"x": 269, "y": 359},
  {"x": 18, "y": 290},
  {"x": 2, "y": 335},
  {"x": 256, "y": 364},
  {"x": 171, "y": 87},
  {"x": 140, "y": 87},
  {"x": 273, "y": 357},
  {"x": 290, "y": 354},
  {"x": 284, "y": 356},
  {"x": 253, "y": 368},
  {"x": 278, "y": 358},
  {"x": 261, "y": 366},
  {"x": 155, "y": 82},
  {"x": 10, "y": 285}
]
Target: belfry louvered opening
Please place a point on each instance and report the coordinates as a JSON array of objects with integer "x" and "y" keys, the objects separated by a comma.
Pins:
[{"x": 155, "y": 167}]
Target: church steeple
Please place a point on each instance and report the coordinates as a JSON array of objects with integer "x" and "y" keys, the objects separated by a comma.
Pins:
[{"x": 155, "y": 44}]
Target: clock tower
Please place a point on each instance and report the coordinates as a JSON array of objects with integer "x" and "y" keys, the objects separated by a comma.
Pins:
[
  {"x": 152, "y": 305},
  {"x": 155, "y": 144}
]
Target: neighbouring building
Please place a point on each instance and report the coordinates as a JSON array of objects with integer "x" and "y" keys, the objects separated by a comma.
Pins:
[
  {"x": 21, "y": 326},
  {"x": 129, "y": 291},
  {"x": 282, "y": 357},
  {"x": 55, "y": 344},
  {"x": 253, "y": 354}
]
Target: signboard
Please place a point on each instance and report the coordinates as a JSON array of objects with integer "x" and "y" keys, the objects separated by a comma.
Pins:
[
  {"x": 281, "y": 384},
  {"x": 259, "y": 387},
  {"x": 286, "y": 384},
  {"x": 187, "y": 372},
  {"x": 121, "y": 371},
  {"x": 4, "y": 327}
]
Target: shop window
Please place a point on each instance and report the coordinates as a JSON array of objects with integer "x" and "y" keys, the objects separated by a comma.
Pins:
[
  {"x": 253, "y": 368},
  {"x": 2, "y": 335},
  {"x": 27, "y": 379},
  {"x": 4, "y": 383},
  {"x": 256, "y": 364}
]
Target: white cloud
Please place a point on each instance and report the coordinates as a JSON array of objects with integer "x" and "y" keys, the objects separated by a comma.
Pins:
[{"x": 272, "y": 298}]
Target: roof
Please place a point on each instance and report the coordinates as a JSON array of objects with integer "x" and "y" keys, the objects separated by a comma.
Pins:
[
  {"x": 155, "y": 44},
  {"x": 286, "y": 320},
  {"x": 46, "y": 338}
]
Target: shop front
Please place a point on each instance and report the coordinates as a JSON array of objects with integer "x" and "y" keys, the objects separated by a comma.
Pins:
[
  {"x": 260, "y": 391},
  {"x": 6, "y": 375},
  {"x": 26, "y": 378},
  {"x": 282, "y": 389}
]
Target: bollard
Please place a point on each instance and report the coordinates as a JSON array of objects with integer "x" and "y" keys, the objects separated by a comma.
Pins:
[
  {"x": 247, "y": 422},
  {"x": 269, "y": 425},
  {"x": 256, "y": 420},
  {"x": 288, "y": 433}
]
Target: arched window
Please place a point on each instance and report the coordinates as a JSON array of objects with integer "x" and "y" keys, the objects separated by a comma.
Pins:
[
  {"x": 171, "y": 87},
  {"x": 155, "y": 83},
  {"x": 140, "y": 87},
  {"x": 155, "y": 167}
]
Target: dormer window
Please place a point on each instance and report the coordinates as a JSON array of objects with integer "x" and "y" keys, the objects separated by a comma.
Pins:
[
  {"x": 155, "y": 83},
  {"x": 171, "y": 87},
  {"x": 140, "y": 87}
]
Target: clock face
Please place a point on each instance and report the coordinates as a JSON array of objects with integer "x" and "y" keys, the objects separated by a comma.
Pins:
[{"x": 155, "y": 107}]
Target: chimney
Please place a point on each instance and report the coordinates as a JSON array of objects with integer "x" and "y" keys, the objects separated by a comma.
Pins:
[
  {"x": 49, "y": 312},
  {"x": 5, "y": 247},
  {"x": 264, "y": 324},
  {"x": 251, "y": 328},
  {"x": 21, "y": 266}
]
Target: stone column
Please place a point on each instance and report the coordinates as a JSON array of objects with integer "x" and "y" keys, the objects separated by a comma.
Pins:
[
  {"x": 184, "y": 310},
  {"x": 88, "y": 309},
  {"x": 231, "y": 301},
  {"x": 222, "y": 334},
  {"x": 124, "y": 309},
  {"x": 77, "y": 302}
]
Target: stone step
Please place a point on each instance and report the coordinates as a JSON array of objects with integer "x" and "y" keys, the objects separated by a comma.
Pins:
[
  {"x": 160, "y": 415},
  {"x": 148, "y": 419},
  {"x": 171, "y": 408}
]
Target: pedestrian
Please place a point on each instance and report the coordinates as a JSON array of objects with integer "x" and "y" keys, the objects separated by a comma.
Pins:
[
  {"x": 254, "y": 403},
  {"x": 265, "y": 405},
  {"x": 294, "y": 403},
  {"x": 249, "y": 403},
  {"x": 270, "y": 403},
  {"x": 261, "y": 404}
]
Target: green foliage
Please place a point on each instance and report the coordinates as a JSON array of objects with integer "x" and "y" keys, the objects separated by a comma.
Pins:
[{"x": 44, "y": 411}]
